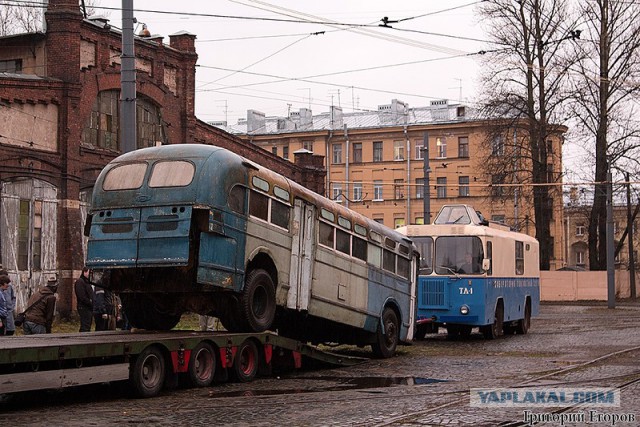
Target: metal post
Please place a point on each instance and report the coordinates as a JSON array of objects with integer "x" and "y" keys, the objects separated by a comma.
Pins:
[
  {"x": 611, "y": 285},
  {"x": 346, "y": 163},
  {"x": 426, "y": 196},
  {"x": 630, "y": 228},
  {"x": 128, "y": 81}
]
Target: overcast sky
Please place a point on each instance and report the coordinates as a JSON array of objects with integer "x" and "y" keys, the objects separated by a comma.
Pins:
[{"x": 429, "y": 55}]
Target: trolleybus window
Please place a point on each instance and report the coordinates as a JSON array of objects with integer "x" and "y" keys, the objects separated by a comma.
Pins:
[
  {"x": 175, "y": 173},
  {"x": 458, "y": 255},
  {"x": 425, "y": 247},
  {"x": 125, "y": 177},
  {"x": 519, "y": 258}
]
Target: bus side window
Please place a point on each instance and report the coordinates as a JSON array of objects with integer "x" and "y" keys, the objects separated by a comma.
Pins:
[
  {"x": 490, "y": 257},
  {"x": 374, "y": 256},
  {"x": 259, "y": 205},
  {"x": 359, "y": 248},
  {"x": 343, "y": 241},
  {"x": 325, "y": 237},
  {"x": 519, "y": 258},
  {"x": 404, "y": 267},
  {"x": 389, "y": 261},
  {"x": 236, "y": 199},
  {"x": 280, "y": 214}
]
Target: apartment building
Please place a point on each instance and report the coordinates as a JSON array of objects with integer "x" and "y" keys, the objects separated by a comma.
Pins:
[{"x": 375, "y": 162}]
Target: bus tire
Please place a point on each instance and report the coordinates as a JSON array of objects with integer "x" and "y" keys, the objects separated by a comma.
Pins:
[
  {"x": 246, "y": 362},
  {"x": 148, "y": 372},
  {"x": 495, "y": 329},
  {"x": 388, "y": 334},
  {"x": 258, "y": 303},
  {"x": 524, "y": 324},
  {"x": 202, "y": 365}
]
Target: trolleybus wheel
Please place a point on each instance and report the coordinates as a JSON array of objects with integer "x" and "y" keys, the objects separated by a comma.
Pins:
[
  {"x": 494, "y": 330},
  {"x": 245, "y": 365},
  {"x": 202, "y": 365},
  {"x": 148, "y": 372},
  {"x": 258, "y": 303},
  {"x": 388, "y": 335},
  {"x": 524, "y": 324}
]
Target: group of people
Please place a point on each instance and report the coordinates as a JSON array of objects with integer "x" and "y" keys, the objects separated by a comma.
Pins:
[
  {"x": 38, "y": 313},
  {"x": 98, "y": 304},
  {"x": 94, "y": 302}
]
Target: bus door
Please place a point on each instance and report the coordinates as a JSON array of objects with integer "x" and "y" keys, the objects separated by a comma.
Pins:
[
  {"x": 163, "y": 237},
  {"x": 302, "y": 256}
]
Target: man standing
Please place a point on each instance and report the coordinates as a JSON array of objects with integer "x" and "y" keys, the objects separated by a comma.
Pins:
[
  {"x": 39, "y": 317},
  {"x": 4, "y": 305},
  {"x": 84, "y": 297},
  {"x": 10, "y": 300}
]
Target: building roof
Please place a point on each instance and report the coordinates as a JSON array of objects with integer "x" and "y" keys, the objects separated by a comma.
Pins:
[{"x": 397, "y": 113}]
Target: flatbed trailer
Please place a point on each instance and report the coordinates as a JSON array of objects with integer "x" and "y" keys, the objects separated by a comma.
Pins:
[{"x": 149, "y": 360}]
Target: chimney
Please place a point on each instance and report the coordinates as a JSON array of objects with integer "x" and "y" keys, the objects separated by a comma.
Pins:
[
  {"x": 336, "y": 119},
  {"x": 256, "y": 122}
]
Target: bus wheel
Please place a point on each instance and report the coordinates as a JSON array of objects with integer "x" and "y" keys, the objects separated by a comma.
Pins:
[
  {"x": 245, "y": 365},
  {"x": 143, "y": 312},
  {"x": 202, "y": 365},
  {"x": 524, "y": 324},
  {"x": 258, "y": 302},
  {"x": 494, "y": 330},
  {"x": 388, "y": 335},
  {"x": 148, "y": 372}
]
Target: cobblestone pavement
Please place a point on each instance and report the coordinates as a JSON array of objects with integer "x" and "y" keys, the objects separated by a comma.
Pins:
[{"x": 428, "y": 383}]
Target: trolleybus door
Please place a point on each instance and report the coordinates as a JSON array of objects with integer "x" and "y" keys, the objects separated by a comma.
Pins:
[{"x": 302, "y": 256}]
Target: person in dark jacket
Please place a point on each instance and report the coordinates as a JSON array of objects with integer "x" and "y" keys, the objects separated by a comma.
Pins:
[
  {"x": 39, "y": 317},
  {"x": 10, "y": 298},
  {"x": 102, "y": 304},
  {"x": 4, "y": 304},
  {"x": 84, "y": 298}
]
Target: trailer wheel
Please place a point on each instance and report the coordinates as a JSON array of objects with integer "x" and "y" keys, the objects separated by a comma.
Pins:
[
  {"x": 202, "y": 365},
  {"x": 245, "y": 365},
  {"x": 524, "y": 324},
  {"x": 148, "y": 372},
  {"x": 495, "y": 329},
  {"x": 258, "y": 303},
  {"x": 388, "y": 335}
]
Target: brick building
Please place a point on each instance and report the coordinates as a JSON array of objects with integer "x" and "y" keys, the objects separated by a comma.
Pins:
[
  {"x": 59, "y": 126},
  {"x": 375, "y": 162}
]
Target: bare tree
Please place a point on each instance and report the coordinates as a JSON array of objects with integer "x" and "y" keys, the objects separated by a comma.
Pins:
[
  {"x": 606, "y": 91},
  {"x": 523, "y": 94},
  {"x": 28, "y": 16}
]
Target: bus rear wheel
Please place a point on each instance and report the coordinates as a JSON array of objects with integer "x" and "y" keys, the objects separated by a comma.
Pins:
[
  {"x": 258, "y": 302},
  {"x": 388, "y": 334}
]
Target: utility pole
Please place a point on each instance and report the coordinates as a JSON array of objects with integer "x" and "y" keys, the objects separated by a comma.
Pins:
[
  {"x": 611, "y": 284},
  {"x": 630, "y": 228},
  {"x": 426, "y": 196},
  {"x": 128, "y": 81}
]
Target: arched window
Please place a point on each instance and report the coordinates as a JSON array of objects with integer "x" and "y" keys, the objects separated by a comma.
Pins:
[{"x": 102, "y": 129}]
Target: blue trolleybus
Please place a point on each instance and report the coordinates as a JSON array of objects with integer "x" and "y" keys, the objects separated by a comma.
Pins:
[
  {"x": 474, "y": 274},
  {"x": 196, "y": 228}
]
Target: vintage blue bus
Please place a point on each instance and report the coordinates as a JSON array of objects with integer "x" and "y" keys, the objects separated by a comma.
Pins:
[
  {"x": 196, "y": 228},
  {"x": 474, "y": 274}
]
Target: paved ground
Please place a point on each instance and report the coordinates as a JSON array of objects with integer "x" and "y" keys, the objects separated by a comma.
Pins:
[{"x": 574, "y": 346}]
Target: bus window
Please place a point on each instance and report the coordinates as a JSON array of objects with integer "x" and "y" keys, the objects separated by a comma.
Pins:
[
  {"x": 404, "y": 267},
  {"x": 343, "y": 241},
  {"x": 453, "y": 215},
  {"x": 389, "y": 261},
  {"x": 328, "y": 215},
  {"x": 236, "y": 199},
  {"x": 125, "y": 177},
  {"x": 490, "y": 256},
  {"x": 326, "y": 235},
  {"x": 281, "y": 193},
  {"x": 360, "y": 230},
  {"x": 359, "y": 248},
  {"x": 259, "y": 205},
  {"x": 280, "y": 214},
  {"x": 374, "y": 256},
  {"x": 519, "y": 258},
  {"x": 425, "y": 247},
  {"x": 176, "y": 173},
  {"x": 458, "y": 255},
  {"x": 260, "y": 183},
  {"x": 344, "y": 222}
]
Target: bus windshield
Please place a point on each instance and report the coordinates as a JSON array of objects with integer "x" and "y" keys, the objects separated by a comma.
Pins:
[{"x": 459, "y": 255}]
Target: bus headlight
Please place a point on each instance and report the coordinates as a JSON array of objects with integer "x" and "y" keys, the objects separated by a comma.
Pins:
[{"x": 464, "y": 309}]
